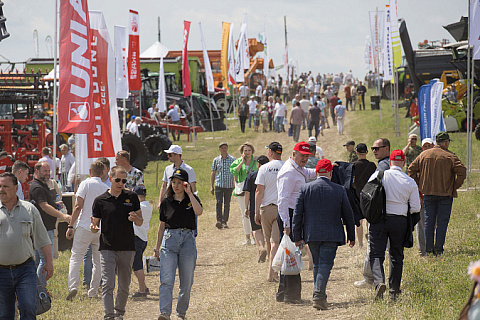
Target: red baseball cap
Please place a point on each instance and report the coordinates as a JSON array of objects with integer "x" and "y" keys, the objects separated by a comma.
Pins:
[
  {"x": 302, "y": 147},
  {"x": 324, "y": 166},
  {"x": 397, "y": 155},
  {"x": 171, "y": 106}
]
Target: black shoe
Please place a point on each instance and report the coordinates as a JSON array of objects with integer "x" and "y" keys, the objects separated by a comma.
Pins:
[
  {"x": 320, "y": 304},
  {"x": 293, "y": 301},
  {"x": 219, "y": 225},
  {"x": 279, "y": 297},
  {"x": 380, "y": 290}
]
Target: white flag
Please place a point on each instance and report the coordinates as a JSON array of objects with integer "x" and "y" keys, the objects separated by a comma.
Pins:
[
  {"x": 474, "y": 28},
  {"x": 162, "y": 99},
  {"x": 265, "y": 50},
  {"x": 121, "y": 57},
  {"x": 206, "y": 62},
  {"x": 239, "y": 61},
  {"x": 231, "y": 57},
  {"x": 246, "y": 52},
  {"x": 387, "y": 47},
  {"x": 368, "y": 53}
]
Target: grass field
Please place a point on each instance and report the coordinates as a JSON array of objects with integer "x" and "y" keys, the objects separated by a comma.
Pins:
[{"x": 433, "y": 288}]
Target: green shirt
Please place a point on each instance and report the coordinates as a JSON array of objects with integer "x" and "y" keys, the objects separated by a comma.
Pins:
[
  {"x": 244, "y": 171},
  {"x": 412, "y": 153},
  {"x": 352, "y": 157}
]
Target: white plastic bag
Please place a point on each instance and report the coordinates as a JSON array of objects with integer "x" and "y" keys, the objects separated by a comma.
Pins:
[{"x": 287, "y": 260}]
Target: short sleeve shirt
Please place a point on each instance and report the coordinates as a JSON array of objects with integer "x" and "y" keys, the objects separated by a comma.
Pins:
[
  {"x": 134, "y": 178},
  {"x": 223, "y": 176},
  {"x": 178, "y": 214},
  {"x": 39, "y": 192},
  {"x": 251, "y": 187},
  {"x": 116, "y": 230},
  {"x": 267, "y": 177},
  {"x": 170, "y": 169},
  {"x": 88, "y": 190},
  {"x": 315, "y": 114}
]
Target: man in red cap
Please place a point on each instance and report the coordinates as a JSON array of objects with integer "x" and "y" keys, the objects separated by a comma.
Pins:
[
  {"x": 401, "y": 191},
  {"x": 321, "y": 210},
  {"x": 290, "y": 179}
]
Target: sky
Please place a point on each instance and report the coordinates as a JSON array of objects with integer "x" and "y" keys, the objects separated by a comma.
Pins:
[{"x": 323, "y": 36}]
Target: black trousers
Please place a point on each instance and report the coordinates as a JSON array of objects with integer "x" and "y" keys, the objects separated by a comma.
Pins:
[
  {"x": 394, "y": 229},
  {"x": 289, "y": 287},
  {"x": 243, "y": 119}
]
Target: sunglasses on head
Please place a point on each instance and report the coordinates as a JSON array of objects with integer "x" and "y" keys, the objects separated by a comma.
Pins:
[
  {"x": 117, "y": 180},
  {"x": 377, "y": 148}
]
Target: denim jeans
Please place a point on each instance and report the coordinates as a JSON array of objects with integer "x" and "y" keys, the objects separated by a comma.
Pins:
[
  {"x": 178, "y": 250},
  {"x": 250, "y": 117},
  {"x": 323, "y": 256},
  {"x": 18, "y": 285},
  {"x": 40, "y": 261},
  {"x": 279, "y": 127},
  {"x": 223, "y": 196},
  {"x": 87, "y": 266},
  {"x": 437, "y": 210}
]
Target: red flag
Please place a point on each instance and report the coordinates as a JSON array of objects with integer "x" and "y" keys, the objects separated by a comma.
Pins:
[
  {"x": 134, "y": 80},
  {"x": 75, "y": 105},
  {"x": 187, "y": 90}
]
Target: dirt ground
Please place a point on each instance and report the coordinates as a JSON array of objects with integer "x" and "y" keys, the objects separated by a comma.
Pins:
[{"x": 231, "y": 284}]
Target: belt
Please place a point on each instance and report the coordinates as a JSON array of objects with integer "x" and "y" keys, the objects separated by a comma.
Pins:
[
  {"x": 395, "y": 215},
  {"x": 271, "y": 204},
  {"x": 13, "y": 267}
]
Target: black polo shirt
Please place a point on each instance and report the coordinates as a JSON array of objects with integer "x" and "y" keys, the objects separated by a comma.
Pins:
[
  {"x": 117, "y": 230},
  {"x": 38, "y": 193},
  {"x": 178, "y": 214}
]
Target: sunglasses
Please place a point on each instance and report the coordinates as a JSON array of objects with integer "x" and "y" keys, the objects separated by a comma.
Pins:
[
  {"x": 377, "y": 148},
  {"x": 117, "y": 180}
]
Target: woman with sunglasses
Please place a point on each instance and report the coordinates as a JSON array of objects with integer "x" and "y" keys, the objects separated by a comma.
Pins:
[{"x": 177, "y": 241}]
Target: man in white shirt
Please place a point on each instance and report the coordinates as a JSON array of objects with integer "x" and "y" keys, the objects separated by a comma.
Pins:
[
  {"x": 151, "y": 111},
  {"x": 319, "y": 150},
  {"x": 20, "y": 170},
  {"x": 132, "y": 121},
  {"x": 280, "y": 115},
  {"x": 291, "y": 177},
  {"x": 266, "y": 202},
  {"x": 401, "y": 192},
  {"x": 46, "y": 156},
  {"x": 305, "y": 105},
  {"x": 88, "y": 190},
  {"x": 244, "y": 91},
  {"x": 258, "y": 93},
  {"x": 134, "y": 126},
  {"x": 66, "y": 163},
  {"x": 252, "y": 106}
]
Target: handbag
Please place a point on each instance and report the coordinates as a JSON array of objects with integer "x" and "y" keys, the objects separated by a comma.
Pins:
[
  {"x": 239, "y": 188},
  {"x": 42, "y": 300}
]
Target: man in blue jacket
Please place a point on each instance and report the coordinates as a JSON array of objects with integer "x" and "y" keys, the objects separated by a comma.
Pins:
[{"x": 321, "y": 210}]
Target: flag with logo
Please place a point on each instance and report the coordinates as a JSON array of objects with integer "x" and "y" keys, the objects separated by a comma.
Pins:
[
  {"x": 134, "y": 76},
  {"x": 75, "y": 104},
  {"x": 206, "y": 62},
  {"x": 246, "y": 51},
  {"x": 121, "y": 57},
  {"x": 240, "y": 65},
  {"x": 225, "y": 53},
  {"x": 105, "y": 141},
  {"x": 187, "y": 89},
  {"x": 395, "y": 35},
  {"x": 430, "y": 109},
  {"x": 387, "y": 46}
]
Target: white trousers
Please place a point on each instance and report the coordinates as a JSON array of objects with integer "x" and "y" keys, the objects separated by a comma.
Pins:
[
  {"x": 340, "y": 125},
  {"x": 247, "y": 227}
]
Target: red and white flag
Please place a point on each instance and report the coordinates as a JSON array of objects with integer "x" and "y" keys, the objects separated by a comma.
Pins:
[
  {"x": 105, "y": 141},
  {"x": 474, "y": 28},
  {"x": 134, "y": 76},
  {"x": 75, "y": 106},
  {"x": 121, "y": 57},
  {"x": 187, "y": 89},
  {"x": 206, "y": 62}
]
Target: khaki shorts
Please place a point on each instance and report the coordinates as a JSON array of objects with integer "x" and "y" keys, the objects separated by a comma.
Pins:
[{"x": 269, "y": 223}]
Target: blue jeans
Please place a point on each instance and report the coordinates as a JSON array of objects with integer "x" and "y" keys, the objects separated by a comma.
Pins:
[
  {"x": 250, "y": 117},
  {"x": 223, "y": 196},
  {"x": 178, "y": 250},
  {"x": 40, "y": 261},
  {"x": 87, "y": 266},
  {"x": 323, "y": 256},
  {"x": 437, "y": 210},
  {"x": 279, "y": 124},
  {"x": 19, "y": 285}
]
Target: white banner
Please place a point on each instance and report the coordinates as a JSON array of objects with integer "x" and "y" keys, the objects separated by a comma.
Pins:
[
  {"x": 376, "y": 33},
  {"x": 121, "y": 56},
  {"x": 265, "y": 50},
  {"x": 231, "y": 57},
  {"x": 387, "y": 47},
  {"x": 368, "y": 53},
  {"x": 239, "y": 61},
  {"x": 162, "y": 99},
  {"x": 206, "y": 63},
  {"x": 106, "y": 140},
  {"x": 395, "y": 35},
  {"x": 246, "y": 51},
  {"x": 474, "y": 28},
  {"x": 437, "y": 123}
]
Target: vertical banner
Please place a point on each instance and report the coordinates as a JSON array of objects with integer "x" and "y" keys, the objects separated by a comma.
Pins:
[
  {"x": 105, "y": 141},
  {"x": 75, "y": 105},
  {"x": 224, "y": 54},
  {"x": 387, "y": 47},
  {"x": 206, "y": 62},
  {"x": 430, "y": 109},
  {"x": 437, "y": 122},
  {"x": 134, "y": 77},
  {"x": 231, "y": 57},
  {"x": 239, "y": 65},
  {"x": 246, "y": 51},
  {"x": 162, "y": 99},
  {"x": 368, "y": 53},
  {"x": 121, "y": 57},
  {"x": 265, "y": 50},
  {"x": 187, "y": 88},
  {"x": 474, "y": 28},
  {"x": 395, "y": 35}
]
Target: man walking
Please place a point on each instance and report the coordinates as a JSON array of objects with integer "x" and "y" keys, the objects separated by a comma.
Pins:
[
  {"x": 333, "y": 103},
  {"x": 18, "y": 279},
  {"x": 361, "y": 90},
  {"x": 252, "y": 106},
  {"x": 321, "y": 210},
  {"x": 441, "y": 173},
  {"x": 134, "y": 175},
  {"x": 291, "y": 177},
  {"x": 314, "y": 118},
  {"x": 304, "y": 105},
  {"x": 116, "y": 208},
  {"x": 266, "y": 202},
  {"x": 401, "y": 195},
  {"x": 297, "y": 116},
  {"x": 222, "y": 184},
  {"x": 280, "y": 115}
]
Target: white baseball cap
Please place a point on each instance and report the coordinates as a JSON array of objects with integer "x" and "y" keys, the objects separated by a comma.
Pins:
[
  {"x": 312, "y": 139},
  {"x": 427, "y": 140},
  {"x": 174, "y": 148}
]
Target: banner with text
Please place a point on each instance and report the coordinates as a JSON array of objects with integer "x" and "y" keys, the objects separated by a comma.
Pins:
[
  {"x": 187, "y": 87},
  {"x": 206, "y": 63},
  {"x": 121, "y": 56},
  {"x": 387, "y": 47},
  {"x": 134, "y": 76},
  {"x": 75, "y": 105},
  {"x": 430, "y": 109},
  {"x": 395, "y": 34}
]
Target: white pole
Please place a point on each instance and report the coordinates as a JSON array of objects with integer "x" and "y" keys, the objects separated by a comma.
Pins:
[
  {"x": 55, "y": 107},
  {"x": 193, "y": 119},
  {"x": 124, "y": 125},
  {"x": 211, "y": 115},
  {"x": 469, "y": 80}
]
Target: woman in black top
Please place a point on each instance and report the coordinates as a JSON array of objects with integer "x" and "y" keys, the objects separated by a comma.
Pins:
[{"x": 178, "y": 248}]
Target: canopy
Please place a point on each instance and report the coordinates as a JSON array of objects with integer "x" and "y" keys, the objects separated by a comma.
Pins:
[{"x": 156, "y": 50}]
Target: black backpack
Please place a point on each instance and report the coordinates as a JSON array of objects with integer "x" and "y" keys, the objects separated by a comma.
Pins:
[{"x": 373, "y": 200}]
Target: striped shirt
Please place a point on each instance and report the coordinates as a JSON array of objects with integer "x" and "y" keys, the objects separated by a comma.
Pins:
[{"x": 223, "y": 176}]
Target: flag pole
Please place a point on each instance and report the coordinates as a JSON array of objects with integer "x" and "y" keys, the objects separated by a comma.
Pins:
[
  {"x": 469, "y": 80},
  {"x": 194, "y": 124},
  {"x": 211, "y": 115},
  {"x": 55, "y": 107}
]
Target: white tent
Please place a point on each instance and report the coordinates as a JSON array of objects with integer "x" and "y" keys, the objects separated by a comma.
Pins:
[
  {"x": 49, "y": 76},
  {"x": 156, "y": 50}
]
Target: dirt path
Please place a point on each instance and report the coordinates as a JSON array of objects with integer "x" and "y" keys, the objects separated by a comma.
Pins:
[{"x": 230, "y": 284}]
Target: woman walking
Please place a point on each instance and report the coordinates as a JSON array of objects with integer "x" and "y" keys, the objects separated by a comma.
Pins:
[
  {"x": 177, "y": 241},
  {"x": 240, "y": 169}
]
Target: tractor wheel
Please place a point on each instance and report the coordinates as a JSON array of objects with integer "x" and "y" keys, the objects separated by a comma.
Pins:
[
  {"x": 477, "y": 131},
  {"x": 156, "y": 144},
  {"x": 146, "y": 129},
  {"x": 222, "y": 102},
  {"x": 387, "y": 92},
  {"x": 464, "y": 124},
  {"x": 136, "y": 149}
]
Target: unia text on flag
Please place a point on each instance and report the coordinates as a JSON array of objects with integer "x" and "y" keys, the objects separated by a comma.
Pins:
[
  {"x": 105, "y": 140},
  {"x": 387, "y": 47},
  {"x": 224, "y": 54},
  {"x": 474, "y": 28},
  {"x": 231, "y": 57},
  {"x": 187, "y": 89},
  {"x": 134, "y": 76},
  {"x": 120, "y": 34},
  {"x": 75, "y": 104},
  {"x": 206, "y": 62}
]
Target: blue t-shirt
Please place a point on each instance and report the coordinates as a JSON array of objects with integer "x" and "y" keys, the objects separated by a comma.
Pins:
[
  {"x": 340, "y": 110},
  {"x": 173, "y": 114}
]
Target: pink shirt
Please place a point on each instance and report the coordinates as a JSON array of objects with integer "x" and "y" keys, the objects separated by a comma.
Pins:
[{"x": 297, "y": 116}]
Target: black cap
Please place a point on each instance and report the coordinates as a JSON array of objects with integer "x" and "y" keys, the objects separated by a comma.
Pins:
[
  {"x": 140, "y": 190},
  {"x": 442, "y": 136},
  {"x": 275, "y": 147},
  {"x": 349, "y": 143},
  {"x": 180, "y": 174},
  {"x": 361, "y": 148},
  {"x": 262, "y": 159}
]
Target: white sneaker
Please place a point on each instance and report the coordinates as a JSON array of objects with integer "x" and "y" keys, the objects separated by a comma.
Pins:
[
  {"x": 247, "y": 242},
  {"x": 363, "y": 284}
]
